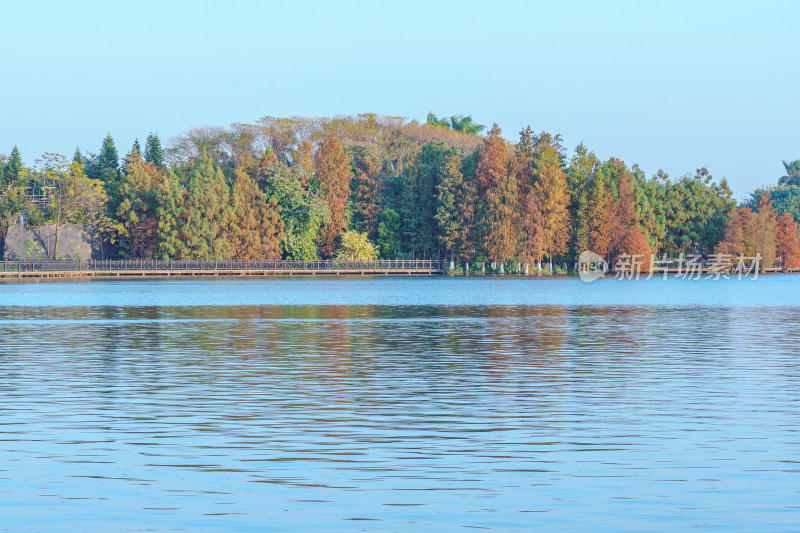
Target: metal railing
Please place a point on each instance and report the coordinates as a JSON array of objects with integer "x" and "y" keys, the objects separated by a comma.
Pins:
[{"x": 223, "y": 265}]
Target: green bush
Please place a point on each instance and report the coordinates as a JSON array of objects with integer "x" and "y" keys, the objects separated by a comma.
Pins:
[{"x": 34, "y": 250}]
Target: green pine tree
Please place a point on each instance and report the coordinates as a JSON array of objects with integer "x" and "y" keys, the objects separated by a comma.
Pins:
[
  {"x": 78, "y": 157},
  {"x": 207, "y": 212},
  {"x": 108, "y": 158},
  {"x": 389, "y": 234},
  {"x": 448, "y": 216},
  {"x": 419, "y": 196},
  {"x": 153, "y": 153},
  {"x": 14, "y": 170},
  {"x": 12, "y": 200},
  {"x": 136, "y": 148},
  {"x": 138, "y": 191},
  {"x": 171, "y": 213}
]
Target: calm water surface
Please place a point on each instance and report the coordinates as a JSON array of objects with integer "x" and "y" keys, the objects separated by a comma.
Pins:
[{"x": 400, "y": 404}]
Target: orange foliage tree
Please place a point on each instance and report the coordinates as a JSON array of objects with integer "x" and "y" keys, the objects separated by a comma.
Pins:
[
  {"x": 552, "y": 196},
  {"x": 499, "y": 218},
  {"x": 626, "y": 235},
  {"x": 493, "y": 160},
  {"x": 752, "y": 233},
  {"x": 332, "y": 171},
  {"x": 257, "y": 230},
  {"x": 788, "y": 243}
]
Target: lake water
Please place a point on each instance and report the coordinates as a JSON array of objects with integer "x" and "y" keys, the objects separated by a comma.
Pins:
[{"x": 400, "y": 404}]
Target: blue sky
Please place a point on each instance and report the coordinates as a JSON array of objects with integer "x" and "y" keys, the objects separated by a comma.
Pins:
[{"x": 671, "y": 85}]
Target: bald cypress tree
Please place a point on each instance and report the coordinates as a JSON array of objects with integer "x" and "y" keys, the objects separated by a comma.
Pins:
[
  {"x": 493, "y": 159},
  {"x": 448, "y": 218},
  {"x": 333, "y": 172},
  {"x": 580, "y": 175},
  {"x": 595, "y": 229},
  {"x": 171, "y": 214},
  {"x": 531, "y": 222},
  {"x": 419, "y": 198},
  {"x": 256, "y": 231},
  {"x": 552, "y": 196},
  {"x": 366, "y": 193},
  {"x": 787, "y": 243},
  {"x": 500, "y": 220}
]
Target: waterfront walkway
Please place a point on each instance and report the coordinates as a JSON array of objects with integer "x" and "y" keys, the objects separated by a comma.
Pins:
[{"x": 161, "y": 268}]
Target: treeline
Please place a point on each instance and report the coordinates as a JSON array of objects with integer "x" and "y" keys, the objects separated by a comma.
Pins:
[{"x": 366, "y": 186}]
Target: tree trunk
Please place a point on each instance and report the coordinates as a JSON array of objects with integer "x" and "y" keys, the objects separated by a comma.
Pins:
[
  {"x": 3, "y": 233},
  {"x": 58, "y": 224}
]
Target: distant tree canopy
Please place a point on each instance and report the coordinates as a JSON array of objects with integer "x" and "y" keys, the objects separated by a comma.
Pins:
[
  {"x": 792, "y": 176},
  {"x": 456, "y": 123},
  {"x": 369, "y": 185}
]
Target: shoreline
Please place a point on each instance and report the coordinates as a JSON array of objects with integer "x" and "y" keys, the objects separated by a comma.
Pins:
[{"x": 9, "y": 278}]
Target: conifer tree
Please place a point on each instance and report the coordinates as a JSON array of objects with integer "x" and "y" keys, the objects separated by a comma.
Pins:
[
  {"x": 108, "y": 158},
  {"x": 138, "y": 192},
  {"x": 256, "y": 231},
  {"x": 12, "y": 200},
  {"x": 493, "y": 159},
  {"x": 552, "y": 195},
  {"x": 389, "y": 234},
  {"x": 468, "y": 206},
  {"x": 418, "y": 198},
  {"x": 580, "y": 174},
  {"x": 500, "y": 237},
  {"x": 788, "y": 243},
  {"x": 500, "y": 217},
  {"x": 531, "y": 234},
  {"x": 626, "y": 235},
  {"x": 595, "y": 230},
  {"x": 171, "y": 213},
  {"x": 136, "y": 147},
  {"x": 448, "y": 216},
  {"x": 752, "y": 233},
  {"x": 650, "y": 196},
  {"x": 153, "y": 152},
  {"x": 14, "y": 169},
  {"x": 78, "y": 157},
  {"x": 367, "y": 189},
  {"x": 104, "y": 167},
  {"x": 332, "y": 169},
  {"x": 207, "y": 212},
  {"x": 533, "y": 229}
]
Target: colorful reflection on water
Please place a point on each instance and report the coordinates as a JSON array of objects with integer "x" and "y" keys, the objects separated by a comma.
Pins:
[{"x": 133, "y": 406}]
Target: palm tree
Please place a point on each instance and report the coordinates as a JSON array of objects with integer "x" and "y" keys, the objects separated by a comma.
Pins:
[{"x": 465, "y": 124}]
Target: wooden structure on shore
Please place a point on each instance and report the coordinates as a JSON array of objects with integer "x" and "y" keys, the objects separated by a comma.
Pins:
[{"x": 168, "y": 268}]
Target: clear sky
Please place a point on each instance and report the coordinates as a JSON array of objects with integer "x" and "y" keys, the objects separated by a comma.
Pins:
[{"x": 671, "y": 85}]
